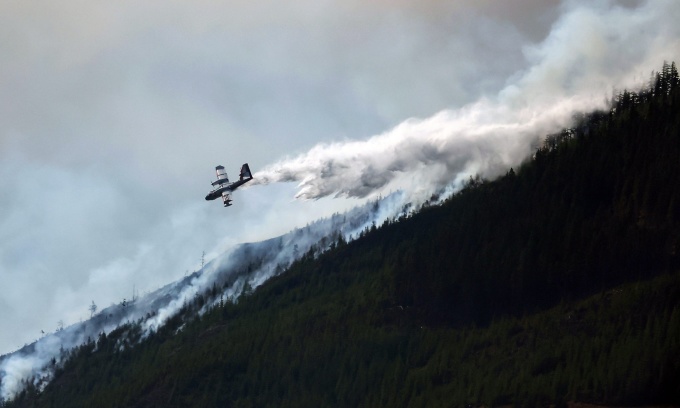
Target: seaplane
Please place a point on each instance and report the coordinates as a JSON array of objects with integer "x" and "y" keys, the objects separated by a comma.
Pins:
[{"x": 222, "y": 186}]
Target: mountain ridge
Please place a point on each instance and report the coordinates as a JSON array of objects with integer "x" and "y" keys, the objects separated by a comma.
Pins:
[{"x": 555, "y": 283}]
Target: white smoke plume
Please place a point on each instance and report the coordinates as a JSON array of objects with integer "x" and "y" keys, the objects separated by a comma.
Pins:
[
  {"x": 592, "y": 48},
  {"x": 422, "y": 154},
  {"x": 252, "y": 263}
]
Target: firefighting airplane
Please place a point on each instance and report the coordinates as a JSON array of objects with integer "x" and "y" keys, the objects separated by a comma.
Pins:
[{"x": 223, "y": 187}]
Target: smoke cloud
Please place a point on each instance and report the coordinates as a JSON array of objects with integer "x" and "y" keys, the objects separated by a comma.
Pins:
[
  {"x": 133, "y": 126},
  {"x": 113, "y": 116},
  {"x": 591, "y": 49},
  {"x": 427, "y": 154},
  {"x": 251, "y": 263}
]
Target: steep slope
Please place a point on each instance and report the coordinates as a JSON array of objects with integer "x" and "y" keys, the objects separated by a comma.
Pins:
[
  {"x": 312, "y": 349},
  {"x": 557, "y": 282},
  {"x": 240, "y": 268}
]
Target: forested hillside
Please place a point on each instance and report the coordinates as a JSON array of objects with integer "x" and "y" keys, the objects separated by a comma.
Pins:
[{"x": 557, "y": 282}]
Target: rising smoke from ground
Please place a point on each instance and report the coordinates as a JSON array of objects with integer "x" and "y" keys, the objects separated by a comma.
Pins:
[
  {"x": 251, "y": 264},
  {"x": 115, "y": 114},
  {"x": 591, "y": 49}
]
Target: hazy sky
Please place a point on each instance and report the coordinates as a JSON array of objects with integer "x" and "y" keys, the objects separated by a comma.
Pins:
[{"x": 114, "y": 114}]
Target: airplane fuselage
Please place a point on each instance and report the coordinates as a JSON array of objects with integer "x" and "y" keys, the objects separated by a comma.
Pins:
[{"x": 216, "y": 193}]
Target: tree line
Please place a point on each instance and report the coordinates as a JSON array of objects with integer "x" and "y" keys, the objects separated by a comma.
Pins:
[{"x": 556, "y": 282}]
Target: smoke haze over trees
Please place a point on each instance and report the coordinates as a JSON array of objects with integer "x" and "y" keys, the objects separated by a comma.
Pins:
[
  {"x": 559, "y": 281},
  {"x": 128, "y": 107}
]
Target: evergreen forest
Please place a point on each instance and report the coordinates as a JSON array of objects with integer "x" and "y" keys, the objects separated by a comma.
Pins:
[{"x": 557, "y": 283}]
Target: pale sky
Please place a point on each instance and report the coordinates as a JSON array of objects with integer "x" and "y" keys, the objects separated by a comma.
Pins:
[{"x": 113, "y": 116}]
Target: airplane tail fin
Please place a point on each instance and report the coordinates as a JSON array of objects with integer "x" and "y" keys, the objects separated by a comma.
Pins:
[{"x": 245, "y": 172}]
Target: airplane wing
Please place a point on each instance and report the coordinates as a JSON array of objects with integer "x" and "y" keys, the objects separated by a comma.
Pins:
[
  {"x": 221, "y": 176},
  {"x": 226, "y": 198}
]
